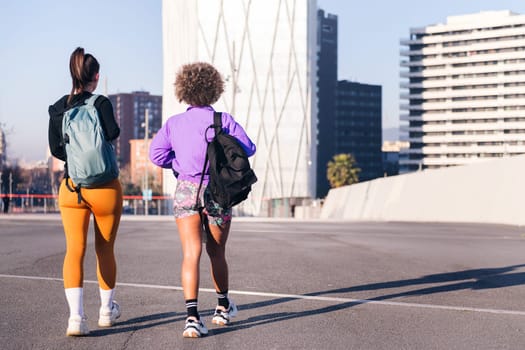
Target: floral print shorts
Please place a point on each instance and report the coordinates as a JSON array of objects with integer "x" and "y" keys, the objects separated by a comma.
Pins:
[{"x": 186, "y": 196}]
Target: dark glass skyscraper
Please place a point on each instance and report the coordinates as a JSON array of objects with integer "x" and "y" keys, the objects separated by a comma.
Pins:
[
  {"x": 358, "y": 127},
  {"x": 349, "y": 113},
  {"x": 327, "y": 91}
]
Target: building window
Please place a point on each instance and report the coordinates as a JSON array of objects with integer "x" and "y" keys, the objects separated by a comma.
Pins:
[{"x": 327, "y": 28}]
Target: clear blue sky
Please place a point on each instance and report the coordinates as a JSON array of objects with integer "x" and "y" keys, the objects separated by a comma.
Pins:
[{"x": 37, "y": 37}]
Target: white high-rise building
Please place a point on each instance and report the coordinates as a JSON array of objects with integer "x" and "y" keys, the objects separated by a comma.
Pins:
[
  {"x": 464, "y": 90},
  {"x": 266, "y": 50}
]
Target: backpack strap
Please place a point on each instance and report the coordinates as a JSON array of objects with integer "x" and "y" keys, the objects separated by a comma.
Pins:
[
  {"x": 196, "y": 206},
  {"x": 91, "y": 101},
  {"x": 73, "y": 188},
  {"x": 217, "y": 122},
  {"x": 217, "y": 126}
]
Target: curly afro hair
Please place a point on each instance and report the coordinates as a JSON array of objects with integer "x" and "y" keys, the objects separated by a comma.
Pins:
[{"x": 198, "y": 84}]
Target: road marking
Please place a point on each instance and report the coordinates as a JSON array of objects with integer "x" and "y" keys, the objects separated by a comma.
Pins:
[{"x": 295, "y": 296}]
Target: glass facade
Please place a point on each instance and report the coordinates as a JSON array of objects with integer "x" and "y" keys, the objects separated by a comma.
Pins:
[
  {"x": 327, "y": 94},
  {"x": 358, "y": 126}
]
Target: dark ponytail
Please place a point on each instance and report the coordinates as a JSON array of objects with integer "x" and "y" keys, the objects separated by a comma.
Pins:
[{"x": 83, "y": 68}]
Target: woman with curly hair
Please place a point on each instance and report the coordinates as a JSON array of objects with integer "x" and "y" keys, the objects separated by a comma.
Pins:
[{"x": 180, "y": 145}]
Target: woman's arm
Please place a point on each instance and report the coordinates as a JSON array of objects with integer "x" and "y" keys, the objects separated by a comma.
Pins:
[
  {"x": 54, "y": 133},
  {"x": 109, "y": 123},
  {"x": 160, "y": 152}
]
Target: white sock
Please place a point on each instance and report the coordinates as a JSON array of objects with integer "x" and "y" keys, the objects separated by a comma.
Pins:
[
  {"x": 106, "y": 298},
  {"x": 74, "y": 298}
]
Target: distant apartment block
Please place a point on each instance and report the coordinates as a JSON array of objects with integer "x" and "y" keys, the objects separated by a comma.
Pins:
[
  {"x": 130, "y": 111},
  {"x": 358, "y": 127},
  {"x": 327, "y": 94},
  {"x": 464, "y": 90},
  {"x": 391, "y": 150},
  {"x": 141, "y": 168}
]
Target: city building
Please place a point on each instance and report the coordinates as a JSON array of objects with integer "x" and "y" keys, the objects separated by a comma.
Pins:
[
  {"x": 130, "y": 111},
  {"x": 55, "y": 168},
  {"x": 141, "y": 168},
  {"x": 391, "y": 150},
  {"x": 326, "y": 92},
  {"x": 267, "y": 53},
  {"x": 463, "y": 90},
  {"x": 358, "y": 126}
]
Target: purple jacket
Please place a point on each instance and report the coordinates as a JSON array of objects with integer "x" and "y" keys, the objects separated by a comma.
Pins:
[{"x": 180, "y": 143}]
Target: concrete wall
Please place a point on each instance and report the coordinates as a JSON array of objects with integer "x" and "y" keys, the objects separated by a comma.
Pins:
[{"x": 485, "y": 192}]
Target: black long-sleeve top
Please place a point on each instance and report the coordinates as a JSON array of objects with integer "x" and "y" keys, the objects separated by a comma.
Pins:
[{"x": 56, "y": 114}]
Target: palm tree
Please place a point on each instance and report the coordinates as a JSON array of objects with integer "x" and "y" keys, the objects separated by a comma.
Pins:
[{"x": 342, "y": 171}]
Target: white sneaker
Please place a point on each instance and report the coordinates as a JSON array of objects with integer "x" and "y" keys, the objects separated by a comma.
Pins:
[
  {"x": 77, "y": 326},
  {"x": 107, "y": 317},
  {"x": 194, "y": 328},
  {"x": 222, "y": 317}
]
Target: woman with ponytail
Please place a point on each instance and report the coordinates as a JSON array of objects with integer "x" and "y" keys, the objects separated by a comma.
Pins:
[{"x": 104, "y": 202}]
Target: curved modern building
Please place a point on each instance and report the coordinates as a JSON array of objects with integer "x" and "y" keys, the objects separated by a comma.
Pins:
[{"x": 266, "y": 50}]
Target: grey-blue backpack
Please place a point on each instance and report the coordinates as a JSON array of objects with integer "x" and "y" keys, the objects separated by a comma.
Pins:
[{"x": 90, "y": 158}]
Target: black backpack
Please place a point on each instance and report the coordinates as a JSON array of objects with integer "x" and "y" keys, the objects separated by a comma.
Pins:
[{"x": 231, "y": 176}]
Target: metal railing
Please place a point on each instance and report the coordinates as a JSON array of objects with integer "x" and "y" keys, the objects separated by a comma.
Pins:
[
  {"x": 159, "y": 205},
  {"x": 48, "y": 203}
]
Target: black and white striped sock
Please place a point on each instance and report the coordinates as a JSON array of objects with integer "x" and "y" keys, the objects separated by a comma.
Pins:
[
  {"x": 222, "y": 299},
  {"x": 191, "y": 308}
]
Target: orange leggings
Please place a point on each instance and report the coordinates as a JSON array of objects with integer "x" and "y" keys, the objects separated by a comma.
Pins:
[{"x": 105, "y": 202}]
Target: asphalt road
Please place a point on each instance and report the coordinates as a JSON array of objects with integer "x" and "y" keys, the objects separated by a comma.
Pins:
[{"x": 298, "y": 284}]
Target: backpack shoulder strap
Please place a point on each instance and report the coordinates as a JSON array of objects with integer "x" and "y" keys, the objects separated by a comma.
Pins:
[
  {"x": 91, "y": 101},
  {"x": 217, "y": 122},
  {"x": 217, "y": 126}
]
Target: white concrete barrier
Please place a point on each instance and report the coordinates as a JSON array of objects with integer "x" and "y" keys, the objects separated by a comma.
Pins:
[{"x": 484, "y": 192}]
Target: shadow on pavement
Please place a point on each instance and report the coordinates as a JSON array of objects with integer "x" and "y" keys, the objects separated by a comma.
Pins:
[
  {"x": 139, "y": 323},
  {"x": 477, "y": 279}
]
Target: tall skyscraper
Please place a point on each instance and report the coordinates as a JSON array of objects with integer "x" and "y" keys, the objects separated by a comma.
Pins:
[
  {"x": 130, "y": 112},
  {"x": 266, "y": 50},
  {"x": 358, "y": 127},
  {"x": 327, "y": 92},
  {"x": 463, "y": 88}
]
